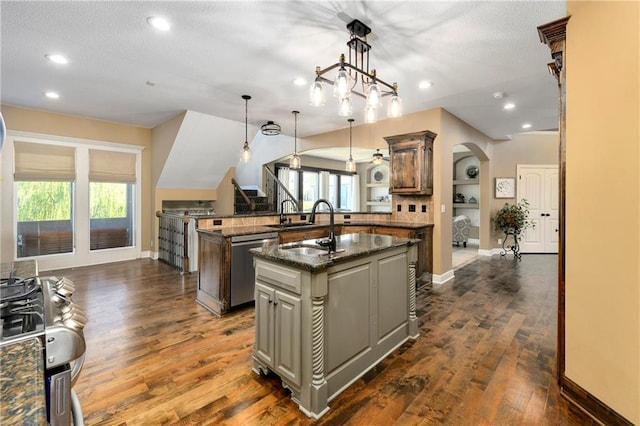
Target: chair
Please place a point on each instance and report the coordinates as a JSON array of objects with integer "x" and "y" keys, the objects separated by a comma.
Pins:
[{"x": 461, "y": 226}]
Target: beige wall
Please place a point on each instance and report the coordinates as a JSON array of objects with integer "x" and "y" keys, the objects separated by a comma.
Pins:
[
  {"x": 36, "y": 121},
  {"x": 225, "y": 194},
  {"x": 603, "y": 203},
  {"x": 523, "y": 148}
]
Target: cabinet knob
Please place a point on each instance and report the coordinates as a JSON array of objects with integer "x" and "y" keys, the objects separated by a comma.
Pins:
[
  {"x": 270, "y": 301},
  {"x": 275, "y": 303}
]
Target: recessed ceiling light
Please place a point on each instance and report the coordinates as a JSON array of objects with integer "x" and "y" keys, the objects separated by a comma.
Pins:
[
  {"x": 498, "y": 95},
  {"x": 425, "y": 84},
  {"x": 299, "y": 81},
  {"x": 52, "y": 95},
  {"x": 509, "y": 106},
  {"x": 526, "y": 126},
  {"x": 159, "y": 23},
  {"x": 150, "y": 83},
  {"x": 58, "y": 59}
]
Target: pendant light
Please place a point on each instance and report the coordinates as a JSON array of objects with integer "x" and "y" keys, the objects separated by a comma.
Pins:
[
  {"x": 295, "y": 162},
  {"x": 245, "y": 156},
  {"x": 351, "y": 165},
  {"x": 377, "y": 157}
]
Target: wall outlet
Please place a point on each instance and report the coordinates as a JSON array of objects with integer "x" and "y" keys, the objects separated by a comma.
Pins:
[
  {"x": 303, "y": 217},
  {"x": 424, "y": 208},
  {"x": 499, "y": 241},
  {"x": 412, "y": 207},
  {"x": 399, "y": 207},
  {"x": 217, "y": 222}
]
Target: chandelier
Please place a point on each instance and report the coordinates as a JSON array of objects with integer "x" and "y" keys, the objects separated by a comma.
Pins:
[{"x": 355, "y": 78}]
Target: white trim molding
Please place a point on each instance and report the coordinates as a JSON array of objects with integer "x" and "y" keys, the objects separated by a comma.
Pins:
[{"x": 443, "y": 278}]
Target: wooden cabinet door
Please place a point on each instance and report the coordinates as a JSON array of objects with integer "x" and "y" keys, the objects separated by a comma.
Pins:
[
  {"x": 264, "y": 339},
  {"x": 411, "y": 163},
  {"x": 287, "y": 336}
]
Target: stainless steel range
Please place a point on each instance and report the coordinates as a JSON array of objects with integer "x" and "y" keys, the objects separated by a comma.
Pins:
[{"x": 41, "y": 342}]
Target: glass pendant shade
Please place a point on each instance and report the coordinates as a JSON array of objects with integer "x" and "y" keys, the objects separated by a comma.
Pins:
[
  {"x": 373, "y": 95},
  {"x": 394, "y": 107},
  {"x": 294, "y": 162},
  {"x": 316, "y": 94},
  {"x": 245, "y": 155},
  {"x": 346, "y": 108},
  {"x": 370, "y": 114},
  {"x": 351, "y": 165},
  {"x": 342, "y": 84}
]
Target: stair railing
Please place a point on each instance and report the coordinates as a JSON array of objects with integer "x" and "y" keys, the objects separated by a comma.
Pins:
[
  {"x": 173, "y": 240},
  {"x": 277, "y": 192},
  {"x": 251, "y": 203}
]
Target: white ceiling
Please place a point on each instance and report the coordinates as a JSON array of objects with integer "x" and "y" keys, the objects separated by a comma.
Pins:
[{"x": 218, "y": 51}]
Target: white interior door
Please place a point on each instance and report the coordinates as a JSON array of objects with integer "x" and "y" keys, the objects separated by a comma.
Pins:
[{"x": 539, "y": 185}]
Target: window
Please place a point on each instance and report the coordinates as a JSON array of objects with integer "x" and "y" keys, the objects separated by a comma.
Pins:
[
  {"x": 111, "y": 176},
  {"x": 111, "y": 219},
  {"x": 309, "y": 184},
  {"x": 44, "y": 218},
  {"x": 44, "y": 181}
]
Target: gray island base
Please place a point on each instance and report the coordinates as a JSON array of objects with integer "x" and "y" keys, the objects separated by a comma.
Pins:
[{"x": 323, "y": 321}]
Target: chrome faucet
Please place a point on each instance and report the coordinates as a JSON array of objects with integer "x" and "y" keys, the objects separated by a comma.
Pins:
[
  {"x": 295, "y": 206},
  {"x": 330, "y": 242}
]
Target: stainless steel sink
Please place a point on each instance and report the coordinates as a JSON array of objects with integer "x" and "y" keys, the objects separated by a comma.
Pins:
[{"x": 306, "y": 250}]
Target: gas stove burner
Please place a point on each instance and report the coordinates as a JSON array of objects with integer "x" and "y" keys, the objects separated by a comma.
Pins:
[{"x": 13, "y": 289}]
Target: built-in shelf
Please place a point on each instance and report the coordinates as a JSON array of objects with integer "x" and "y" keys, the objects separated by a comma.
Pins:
[
  {"x": 466, "y": 205},
  {"x": 466, "y": 182},
  {"x": 378, "y": 185}
]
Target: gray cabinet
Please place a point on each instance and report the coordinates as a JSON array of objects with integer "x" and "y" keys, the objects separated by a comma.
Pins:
[
  {"x": 320, "y": 330},
  {"x": 277, "y": 341}
]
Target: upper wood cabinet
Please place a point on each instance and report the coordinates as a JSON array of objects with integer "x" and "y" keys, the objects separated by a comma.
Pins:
[{"x": 411, "y": 163}]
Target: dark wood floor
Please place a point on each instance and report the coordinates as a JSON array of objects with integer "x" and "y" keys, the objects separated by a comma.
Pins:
[{"x": 485, "y": 356}]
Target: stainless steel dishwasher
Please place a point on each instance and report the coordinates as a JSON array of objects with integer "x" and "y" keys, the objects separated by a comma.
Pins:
[{"x": 242, "y": 280}]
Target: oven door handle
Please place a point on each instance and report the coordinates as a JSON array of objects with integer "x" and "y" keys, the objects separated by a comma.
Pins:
[{"x": 76, "y": 368}]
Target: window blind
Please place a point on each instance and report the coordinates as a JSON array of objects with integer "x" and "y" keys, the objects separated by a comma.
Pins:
[
  {"x": 111, "y": 166},
  {"x": 43, "y": 162}
]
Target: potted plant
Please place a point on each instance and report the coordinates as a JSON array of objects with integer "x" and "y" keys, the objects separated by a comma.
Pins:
[{"x": 513, "y": 219}]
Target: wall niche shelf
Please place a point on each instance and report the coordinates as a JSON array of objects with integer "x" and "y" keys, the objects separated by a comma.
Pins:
[
  {"x": 378, "y": 198},
  {"x": 468, "y": 187}
]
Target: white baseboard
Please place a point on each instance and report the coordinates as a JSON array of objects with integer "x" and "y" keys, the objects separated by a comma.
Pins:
[
  {"x": 152, "y": 254},
  {"x": 489, "y": 252},
  {"x": 443, "y": 278}
]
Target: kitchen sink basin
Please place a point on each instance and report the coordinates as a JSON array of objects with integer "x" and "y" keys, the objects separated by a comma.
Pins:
[
  {"x": 308, "y": 249},
  {"x": 313, "y": 251}
]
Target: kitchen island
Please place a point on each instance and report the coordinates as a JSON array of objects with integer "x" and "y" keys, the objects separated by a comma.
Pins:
[{"x": 323, "y": 320}]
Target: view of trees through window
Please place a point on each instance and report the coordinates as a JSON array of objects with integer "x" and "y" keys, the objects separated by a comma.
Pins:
[
  {"x": 108, "y": 200},
  {"x": 40, "y": 201}
]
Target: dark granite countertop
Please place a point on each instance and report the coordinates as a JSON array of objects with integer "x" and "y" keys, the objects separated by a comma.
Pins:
[
  {"x": 349, "y": 246},
  {"x": 22, "y": 268},
  {"x": 232, "y": 231},
  {"x": 22, "y": 383}
]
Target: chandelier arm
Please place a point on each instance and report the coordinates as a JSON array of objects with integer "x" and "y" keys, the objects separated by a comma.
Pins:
[{"x": 329, "y": 68}]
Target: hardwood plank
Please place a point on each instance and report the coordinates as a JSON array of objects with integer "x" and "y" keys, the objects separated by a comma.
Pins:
[{"x": 485, "y": 355}]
